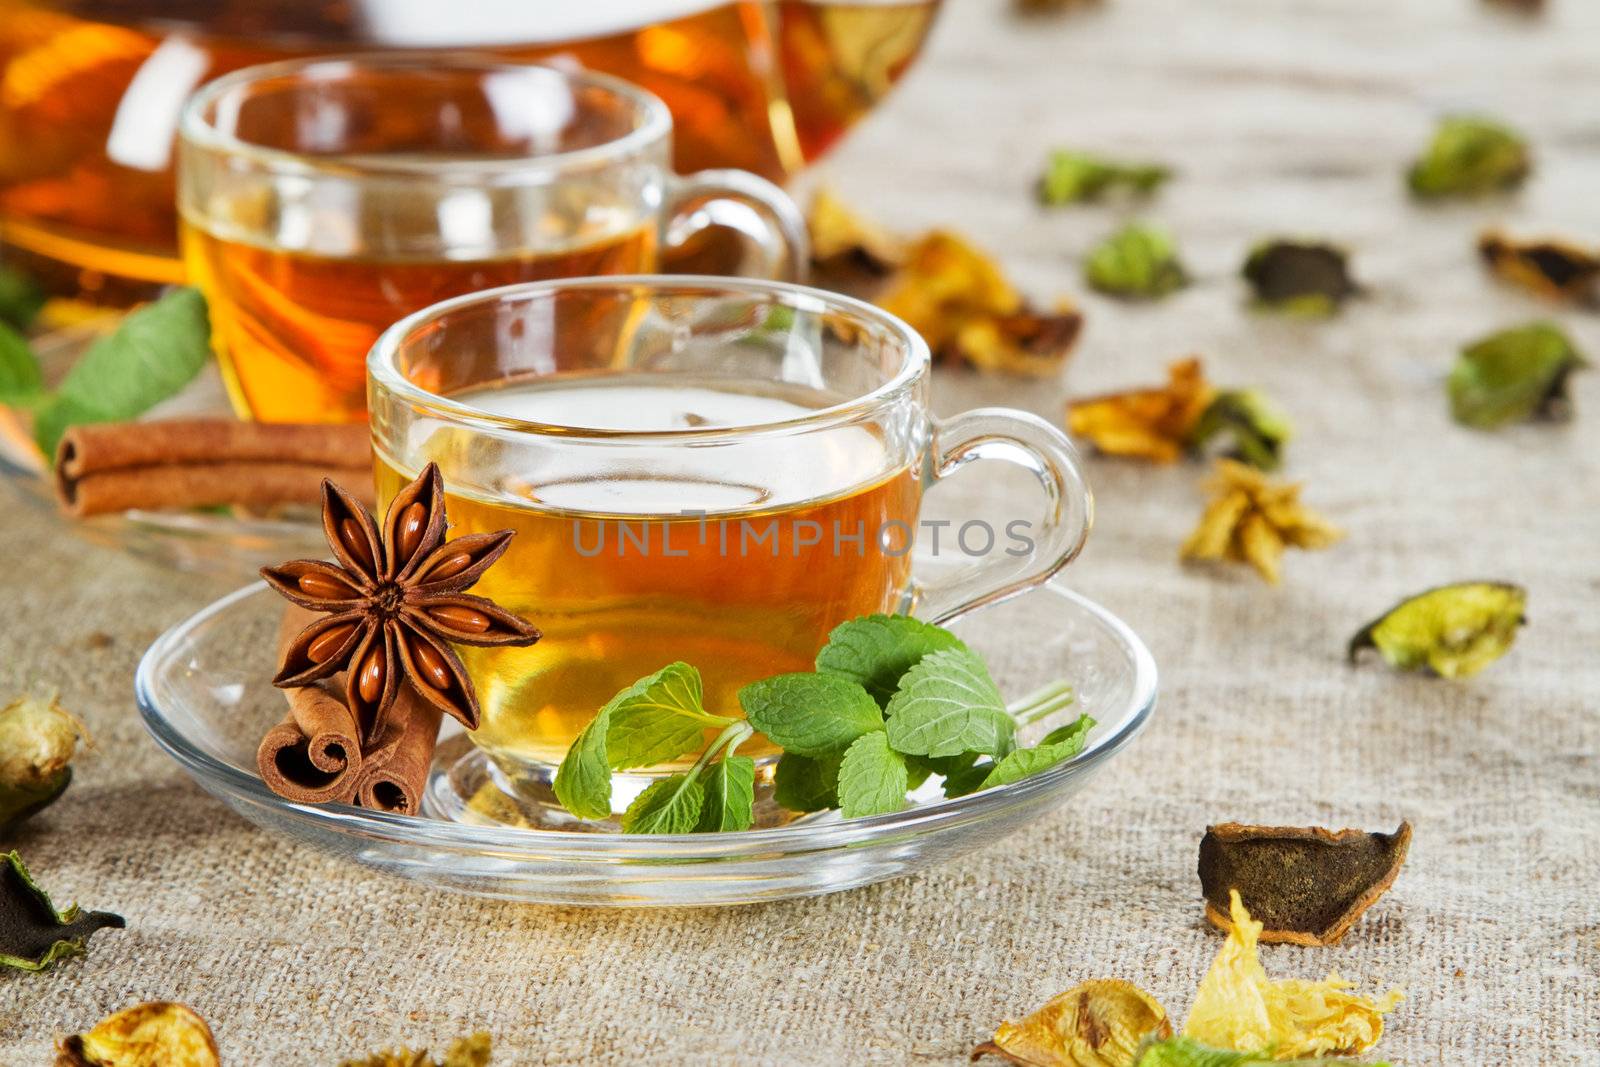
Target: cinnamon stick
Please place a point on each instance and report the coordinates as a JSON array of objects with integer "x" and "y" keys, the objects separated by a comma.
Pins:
[
  {"x": 313, "y": 756},
  {"x": 179, "y": 463},
  {"x": 395, "y": 771}
]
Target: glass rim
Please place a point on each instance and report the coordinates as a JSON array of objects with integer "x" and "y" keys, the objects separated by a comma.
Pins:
[
  {"x": 382, "y": 371},
  {"x": 196, "y": 128}
]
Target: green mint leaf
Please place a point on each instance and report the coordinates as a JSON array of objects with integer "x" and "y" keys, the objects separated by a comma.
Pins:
[
  {"x": 730, "y": 795},
  {"x": 1059, "y": 745},
  {"x": 668, "y": 806},
  {"x": 151, "y": 356},
  {"x": 20, "y": 380},
  {"x": 1138, "y": 262},
  {"x": 583, "y": 781},
  {"x": 875, "y": 651},
  {"x": 947, "y": 705},
  {"x": 872, "y": 777},
  {"x": 20, "y": 298},
  {"x": 1513, "y": 375},
  {"x": 801, "y": 783},
  {"x": 1071, "y": 177},
  {"x": 1469, "y": 156},
  {"x": 812, "y": 714},
  {"x": 657, "y": 719},
  {"x": 968, "y": 779}
]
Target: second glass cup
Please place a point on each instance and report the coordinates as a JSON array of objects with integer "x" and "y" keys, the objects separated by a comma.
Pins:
[
  {"x": 698, "y": 469},
  {"x": 323, "y": 199}
]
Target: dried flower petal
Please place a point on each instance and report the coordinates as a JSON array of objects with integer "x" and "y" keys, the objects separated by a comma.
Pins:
[
  {"x": 1302, "y": 278},
  {"x": 1255, "y": 429},
  {"x": 1468, "y": 156},
  {"x": 1072, "y": 177},
  {"x": 1251, "y": 520},
  {"x": 1306, "y": 885},
  {"x": 1138, "y": 262},
  {"x": 33, "y": 934},
  {"x": 157, "y": 1034},
  {"x": 1154, "y": 424},
  {"x": 1549, "y": 268},
  {"x": 473, "y": 1051},
  {"x": 843, "y": 241},
  {"x": 954, "y": 295},
  {"x": 1239, "y": 1008},
  {"x": 1454, "y": 630},
  {"x": 38, "y": 739},
  {"x": 1095, "y": 1024},
  {"x": 1514, "y": 375}
]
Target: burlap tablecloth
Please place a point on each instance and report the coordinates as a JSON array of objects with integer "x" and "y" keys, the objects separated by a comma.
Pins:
[{"x": 1282, "y": 117}]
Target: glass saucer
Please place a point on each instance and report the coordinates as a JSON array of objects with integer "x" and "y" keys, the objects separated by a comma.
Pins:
[{"x": 204, "y": 694}]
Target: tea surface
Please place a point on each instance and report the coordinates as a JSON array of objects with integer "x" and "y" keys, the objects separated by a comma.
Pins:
[{"x": 622, "y": 582}]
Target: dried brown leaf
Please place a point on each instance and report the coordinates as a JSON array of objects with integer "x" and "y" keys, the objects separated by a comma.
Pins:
[{"x": 1551, "y": 268}]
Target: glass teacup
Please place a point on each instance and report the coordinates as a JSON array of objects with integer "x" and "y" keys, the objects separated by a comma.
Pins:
[
  {"x": 701, "y": 469},
  {"x": 322, "y": 199}
]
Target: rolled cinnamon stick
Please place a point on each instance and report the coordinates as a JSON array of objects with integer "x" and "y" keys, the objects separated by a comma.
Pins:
[
  {"x": 313, "y": 756},
  {"x": 395, "y": 771},
  {"x": 180, "y": 463}
]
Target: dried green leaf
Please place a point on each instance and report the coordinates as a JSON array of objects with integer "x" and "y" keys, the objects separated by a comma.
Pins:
[
  {"x": 1514, "y": 375},
  {"x": 473, "y": 1051},
  {"x": 33, "y": 934},
  {"x": 1469, "y": 156},
  {"x": 1305, "y": 885},
  {"x": 1187, "y": 1052},
  {"x": 1455, "y": 630},
  {"x": 1310, "y": 278},
  {"x": 1556, "y": 270},
  {"x": 1254, "y": 428},
  {"x": 1138, "y": 262},
  {"x": 37, "y": 741},
  {"x": 157, "y": 1034},
  {"x": 1072, "y": 177}
]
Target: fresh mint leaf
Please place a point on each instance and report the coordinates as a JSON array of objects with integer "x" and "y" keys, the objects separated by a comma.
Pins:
[
  {"x": 812, "y": 714},
  {"x": 668, "y": 806},
  {"x": 730, "y": 795},
  {"x": 20, "y": 298},
  {"x": 946, "y": 705},
  {"x": 801, "y": 783},
  {"x": 583, "y": 781},
  {"x": 875, "y": 651},
  {"x": 872, "y": 777},
  {"x": 1059, "y": 745},
  {"x": 658, "y": 718},
  {"x": 20, "y": 380},
  {"x": 151, "y": 356},
  {"x": 968, "y": 779}
]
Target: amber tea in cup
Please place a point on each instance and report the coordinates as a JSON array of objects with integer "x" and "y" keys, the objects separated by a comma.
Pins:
[
  {"x": 323, "y": 199},
  {"x": 697, "y": 469}
]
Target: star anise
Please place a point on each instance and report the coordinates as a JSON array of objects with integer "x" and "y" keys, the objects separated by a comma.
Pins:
[{"x": 394, "y": 604}]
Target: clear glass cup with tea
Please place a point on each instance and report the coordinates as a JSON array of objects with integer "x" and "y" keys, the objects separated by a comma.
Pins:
[
  {"x": 93, "y": 88},
  {"x": 711, "y": 470},
  {"x": 323, "y": 199}
]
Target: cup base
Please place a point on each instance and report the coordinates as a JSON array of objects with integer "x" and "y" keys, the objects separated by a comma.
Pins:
[{"x": 467, "y": 786}]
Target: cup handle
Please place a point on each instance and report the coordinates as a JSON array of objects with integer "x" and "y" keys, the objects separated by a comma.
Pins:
[
  {"x": 1044, "y": 451},
  {"x": 745, "y": 202}
]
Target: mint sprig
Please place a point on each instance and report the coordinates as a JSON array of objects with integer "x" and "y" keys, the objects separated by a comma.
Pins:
[
  {"x": 152, "y": 354},
  {"x": 892, "y": 702}
]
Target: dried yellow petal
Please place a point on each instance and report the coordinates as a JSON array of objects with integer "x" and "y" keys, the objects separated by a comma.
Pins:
[
  {"x": 1251, "y": 520},
  {"x": 1239, "y": 1008},
  {"x": 1095, "y": 1024},
  {"x": 157, "y": 1034},
  {"x": 472, "y": 1051},
  {"x": 1154, "y": 424}
]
